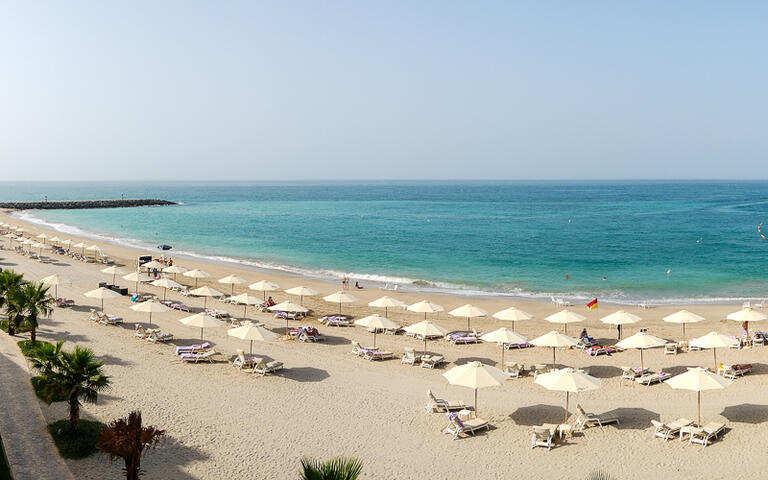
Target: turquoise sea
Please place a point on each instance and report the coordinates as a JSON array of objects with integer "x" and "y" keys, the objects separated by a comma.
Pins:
[{"x": 487, "y": 238}]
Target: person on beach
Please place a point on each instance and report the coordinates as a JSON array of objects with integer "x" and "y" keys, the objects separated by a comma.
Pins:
[
  {"x": 270, "y": 302},
  {"x": 357, "y": 286},
  {"x": 170, "y": 261},
  {"x": 154, "y": 272},
  {"x": 344, "y": 283},
  {"x": 745, "y": 329},
  {"x": 584, "y": 334}
]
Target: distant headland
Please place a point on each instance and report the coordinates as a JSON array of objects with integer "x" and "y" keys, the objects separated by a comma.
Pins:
[{"x": 86, "y": 204}]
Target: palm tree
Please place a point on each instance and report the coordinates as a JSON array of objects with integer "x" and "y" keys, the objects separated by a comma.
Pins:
[
  {"x": 10, "y": 282},
  {"x": 339, "y": 468},
  {"x": 28, "y": 303},
  {"x": 73, "y": 375},
  {"x": 126, "y": 438}
]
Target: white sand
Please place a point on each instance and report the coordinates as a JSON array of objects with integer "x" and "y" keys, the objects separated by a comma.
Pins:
[{"x": 223, "y": 423}]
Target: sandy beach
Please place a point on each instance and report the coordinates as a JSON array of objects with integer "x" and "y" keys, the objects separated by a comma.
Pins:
[{"x": 224, "y": 423}]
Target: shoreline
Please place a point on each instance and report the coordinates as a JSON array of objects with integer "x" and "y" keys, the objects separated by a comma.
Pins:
[{"x": 372, "y": 281}]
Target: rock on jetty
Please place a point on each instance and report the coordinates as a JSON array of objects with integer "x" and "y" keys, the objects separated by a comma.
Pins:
[{"x": 85, "y": 204}]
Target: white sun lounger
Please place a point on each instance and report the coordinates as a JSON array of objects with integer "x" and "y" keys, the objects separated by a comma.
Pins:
[
  {"x": 456, "y": 427},
  {"x": 586, "y": 419},
  {"x": 436, "y": 405},
  {"x": 667, "y": 430}
]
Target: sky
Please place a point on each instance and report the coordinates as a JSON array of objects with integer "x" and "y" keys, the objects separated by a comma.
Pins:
[{"x": 344, "y": 90}]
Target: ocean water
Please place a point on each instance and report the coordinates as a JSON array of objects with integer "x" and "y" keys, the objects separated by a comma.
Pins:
[{"x": 619, "y": 241}]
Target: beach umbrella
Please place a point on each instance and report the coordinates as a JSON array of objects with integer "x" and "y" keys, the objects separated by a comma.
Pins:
[
  {"x": 746, "y": 314},
  {"x": 502, "y": 336},
  {"x": 197, "y": 274},
  {"x": 52, "y": 280},
  {"x": 232, "y": 280},
  {"x": 245, "y": 300},
  {"x": 426, "y": 329},
  {"x": 475, "y": 375},
  {"x": 554, "y": 340},
  {"x": 386, "y": 303},
  {"x": 42, "y": 237},
  {"x": 102, "y": 293},
  {"x": 81, "y": 246},
  {"x": 682, "y": 317},
  {"x": 54, "y": 239},
  {"x": 569, "y": 381},
  {"x": 66, "y": 243},
  {"x": 425, "y": 307},
  {"x": 714, "y": 341},
  {"x": 150, "y": 306},
  {"x": 174, "y": 269},
  {"x": 513, "y": 315},
  {"x": 698, "y": 380},
  {"x": 137, "y": 277},
  {"x": 288, "y": 307},
  {"x": 29, "y": 244},
  {"x": 165, "y": 283},
  {"x": 94, "y": 249},
  {"x": 301, "y": 292},
  {"x": 252, "y": 332},
  {"x": 153, "y": 264},
  {"x": 565, "y": 317},
  {"x": 201, "y": 321},
  {"x": 376, "y": 322},
  {"x": 469, "y": 311},
  {"x": 41, "y": 247},
  {"x": 340, "y": 297},
  {"x": 205, "y": 292},
  {"x": 113, "y": 270},
  {"x": 620, "y": 317},
  {"x": 641, "y": 341},
  {"x": 264, "y": 287}
]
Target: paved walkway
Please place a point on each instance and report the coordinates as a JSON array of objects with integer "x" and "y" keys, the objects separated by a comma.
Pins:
[{"x": 28, "y": 446}]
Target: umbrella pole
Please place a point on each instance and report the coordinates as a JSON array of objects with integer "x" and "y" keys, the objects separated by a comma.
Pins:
[
  {"x": 683, "y": 331},
  {"x": 468, "y": 327},
  {"x": 642, "y": 365},
  {"x": 513, "y": 326},
  {"x": 137, "y": 286},
  {"x": 150, "y": 319},
  {"x": 566, "y": 328},
  {"x": 201, "y": 336},
  {"x": 475, "y": 403},
  {"x": 553, "y": 358},
  {"x": 205, "y": 302},
  {"x": 714, "y": 352},
  {"x": 339, "y": 308},
  {"x": 245, "y": 311},
  {"x": 565, "y": 418},
  {"x": 374, "y": 338},
  {"x": 502, "y": 356},
  {"x": 286, "y": 326},
  {"x": 164, "y": 291},
  {"x": 265, "y": 295},
  {"x": 699, "y": 395},
  {"x": 250, "y": 354},
  {"x": 385, "y": 312},
  {"x": 425, "y": 344},
  {"x": 102, "y": 305}
]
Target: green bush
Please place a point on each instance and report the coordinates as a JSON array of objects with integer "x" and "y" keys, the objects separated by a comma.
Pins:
[
  {"x": 78, "y": 445},
  {"x": 38, "y": 385},
  {"x": 28, "y": 348},
  {"x": 20, "y": 329}
]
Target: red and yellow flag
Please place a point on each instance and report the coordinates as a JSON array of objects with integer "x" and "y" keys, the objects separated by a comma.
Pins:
[{"x": 592, "y": 305}]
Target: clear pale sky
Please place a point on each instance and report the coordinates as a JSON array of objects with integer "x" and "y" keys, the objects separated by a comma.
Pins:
[{"x": 383, "y": 90}]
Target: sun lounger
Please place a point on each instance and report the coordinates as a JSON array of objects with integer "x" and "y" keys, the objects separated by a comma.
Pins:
[
  {"x": 155, "y": 335},
  {"x": 510, "y": 346},
  {"x": 336, "y": 321},
  {"x": 180, "y": 307},
  {"x": 733, "y": 371},
  {"x": 358, "y": 350},
  {"x": 631, "y": 373},
  {"x": 262, "y": 368},
  {"x": 193, "y": 348},
  {"x": 110, "y": 320},
  {"x": 703, "y": 435},
  {"x": 431, "y": 361},
  {"x": 667, "y": 430},
  {"x": 586, "y": 419},
  {"x": 309, "y": 334},
  {"x": 409, "y": 356},
  {"x": 596, "y": 350},
  {"x": 64, "y": 302},
  {"x": 196, "y": 357},
  {"x": 542, "y": 437},
  {"x": 670, "y": 349},
  {"x": 457, "y": 338},
  {"x": 513, "y": 369},
  {"x": 94, "y": 316},
  {"x": 539, "y": 369},
  {"x": 140, "y": 332},
  {"x": 243, "y": 361},
  {"x": 651, "y": 378},
  {"x": 369, "y": 354},
  {"x": 456, "y": 426},
  {"x": 436, "y": 405},
  {"x": 586, "y": 342}
]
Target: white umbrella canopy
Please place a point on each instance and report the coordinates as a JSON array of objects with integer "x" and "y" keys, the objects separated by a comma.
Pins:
[
  {"x": 137, "y": 277},
  {"x": 114, "y": 270},
  {"x": 641, "y": 341},
  {"x": 244, "y": 299},
  {"x": 165, "y": 283},
  {"x": 698, "y": 380},
  {"x": 232, "y": 280},
  {"x": 340, "y": 297},
  {"x": 569, "y": 381},
  {"x": 620, "y": 317},
  {"x": 154, "y": 264},
  {"x": 502, "y": 336},
  {"x": 175, "y": 270},
  {"x": 201, "y": 320},
  {"x": 425, "y": 307},
  {"x": 42, "y": 237},
  {"x": 377, "y": 322},
  {"x": 301, "y": 292},
  {"x": 205, "y": 292},
  {"x": 386, "y": 303},
  {"x": 426, "y": 329},
  {"x": 93, "y": 248},
  {"x": 554, "y": 340},
  {"x": 54, "y": 239},
  {"x": 197, "y": 274},
  {"x": 475, "y": 375},
  {"x": 52, "y": 280},
  {"x": 683, "y": 317},
  {"x": 512, "y": 314},
  {"x": 252, "y": 332},
  {"x": 264, "y": 286},
  {"x": 102, "y": 294},
  {"x": 746, "y": 314},
  {"x": 81, "y": 246},
  {"x": 469, "y": 311},
  {"x": 565, "y": 317},
  {"x": 150, "y": 307},
  {"x": 288, "y": 307},
  {"x": 715, "y": 340}
]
